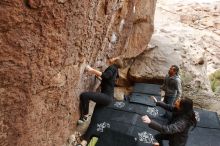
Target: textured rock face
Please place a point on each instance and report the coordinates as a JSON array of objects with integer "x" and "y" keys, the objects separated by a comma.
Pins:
[
  {"x": 44, "y": 46},
  {"x": 142, "y": 27},
  {"x": 153, "y": 64}
]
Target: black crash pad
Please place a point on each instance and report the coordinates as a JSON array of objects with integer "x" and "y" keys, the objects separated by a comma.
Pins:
[
  {"x": 203, "y": 137},
  {"x": 122, "y": 122},
  {"x": 151, "y": 89},
  {"x": 109, "y": 114},
  {"x": 130, "y": 123},
  {"x": 207, "y": 119},
  {"x": 138, "y": 137},
  {"x": 141, "y": 98},
  {"x": 114, "y": 138},
  {"x": 140, "y": 109}
]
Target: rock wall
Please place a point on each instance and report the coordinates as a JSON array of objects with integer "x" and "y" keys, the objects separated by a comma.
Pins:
[{"x": 44, "y": 47}]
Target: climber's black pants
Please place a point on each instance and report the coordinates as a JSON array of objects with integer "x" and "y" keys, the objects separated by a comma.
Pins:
[{"x": 100, "y": 99}]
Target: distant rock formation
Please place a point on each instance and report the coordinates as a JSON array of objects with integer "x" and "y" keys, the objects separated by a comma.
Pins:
[{"x": 44, "y": 47}]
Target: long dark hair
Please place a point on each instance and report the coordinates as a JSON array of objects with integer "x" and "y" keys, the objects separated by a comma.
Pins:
[{"x": 186, "y": 108}]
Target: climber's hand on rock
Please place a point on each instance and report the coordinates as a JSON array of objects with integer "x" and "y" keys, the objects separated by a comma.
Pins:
[{"x": 88, "y": 68}]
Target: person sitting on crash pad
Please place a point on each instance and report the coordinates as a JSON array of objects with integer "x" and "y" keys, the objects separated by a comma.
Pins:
[{"x": 176, "y": 131}]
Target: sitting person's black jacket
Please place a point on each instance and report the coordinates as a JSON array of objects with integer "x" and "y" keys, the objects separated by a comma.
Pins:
[{"x": 177, "y": 128}]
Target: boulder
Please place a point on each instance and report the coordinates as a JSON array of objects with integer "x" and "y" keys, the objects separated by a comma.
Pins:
[
  {"x": 122, "y": 92},
  {"x": 44, "y": 48},
  {"x": 154, "y": 63}
]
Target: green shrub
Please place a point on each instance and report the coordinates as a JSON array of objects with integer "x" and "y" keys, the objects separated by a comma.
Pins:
[{"x": 215, "y": 80}]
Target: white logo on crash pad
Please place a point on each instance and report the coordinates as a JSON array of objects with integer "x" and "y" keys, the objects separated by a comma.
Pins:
[
  {"x": 102, "y": 126},
  {"x": 152, "y": 111},
  {"x": 119, "y": 104},
  {"x": 197, "y": 116},
  {"x": 146, "y": 137}
]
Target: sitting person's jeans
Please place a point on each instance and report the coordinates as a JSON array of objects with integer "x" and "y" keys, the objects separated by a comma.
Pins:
[{"x": 169, "y": 100}]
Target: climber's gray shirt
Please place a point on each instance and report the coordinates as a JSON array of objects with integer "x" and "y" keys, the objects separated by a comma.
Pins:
[{"x": 172, "y": 86}]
